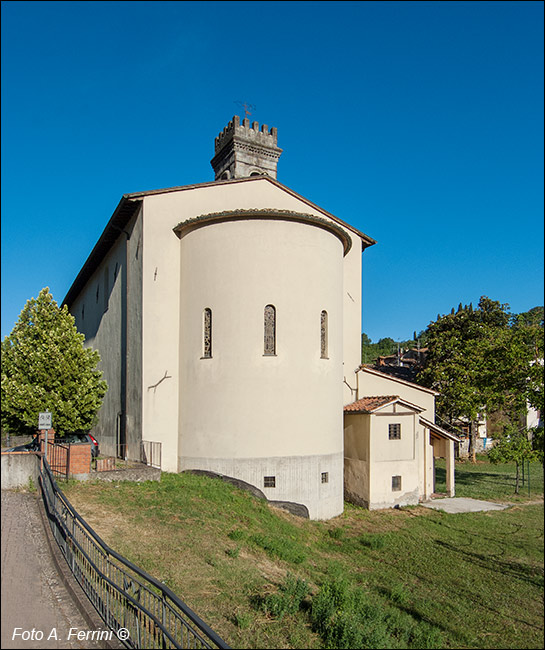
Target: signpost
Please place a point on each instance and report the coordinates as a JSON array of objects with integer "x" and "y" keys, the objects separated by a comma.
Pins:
[{"x": 45, "y": 421}]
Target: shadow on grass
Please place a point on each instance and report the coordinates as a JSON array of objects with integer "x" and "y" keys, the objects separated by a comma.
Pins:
[
  {"x": 489, "y": 562},
  {"x": 452, "y": 631},
  {"x": 470, "y": 476},
  {"x": 476, "y": 480}
]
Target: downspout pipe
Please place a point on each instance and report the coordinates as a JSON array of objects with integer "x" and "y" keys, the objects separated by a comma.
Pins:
[{"x": 122, "y": 416}]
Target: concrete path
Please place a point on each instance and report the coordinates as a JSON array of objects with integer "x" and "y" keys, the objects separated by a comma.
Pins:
[
  {"x": 34, "y": 596},
  {"x": 462, "y": 504}
]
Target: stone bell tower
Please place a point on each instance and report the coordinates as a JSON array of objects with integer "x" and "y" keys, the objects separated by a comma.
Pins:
[{"x": 242, "y": 150}]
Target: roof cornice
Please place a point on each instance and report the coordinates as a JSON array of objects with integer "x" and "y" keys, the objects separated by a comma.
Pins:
[
  {"x": 123, "y": 213},
  {"x": 130, "y": 203},
  {"x": 264, "y": 214},
  {"x": 365, "y": 239}
]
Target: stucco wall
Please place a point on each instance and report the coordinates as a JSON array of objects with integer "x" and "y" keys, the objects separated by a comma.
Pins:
[
  {"x": 102, "y": 330},
  {"x": 384, "y": 449},
  {"x": 105, "y": 315},
  {"x": 352, "y": 326},
  {"x": 371, "y": 383},
  {"x": 241, "y": 404},
  {"x": 356, "y": 458},
  {"x": 393, "y": 458},
  {"x": 298, "y": 478},
  {"x": 133, "y": 371},
  {"x": 162, "y": 294},
  {"x": 19, "y": 468}
]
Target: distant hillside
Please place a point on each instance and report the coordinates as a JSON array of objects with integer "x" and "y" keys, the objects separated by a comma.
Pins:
[{"x": 386, "y": 346}]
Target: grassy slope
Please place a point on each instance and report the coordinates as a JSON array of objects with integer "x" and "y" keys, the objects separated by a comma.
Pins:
[{"x": 475, "y": 580}]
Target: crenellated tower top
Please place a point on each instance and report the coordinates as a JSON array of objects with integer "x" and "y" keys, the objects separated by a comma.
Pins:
[{"x": 242, "y": 150}]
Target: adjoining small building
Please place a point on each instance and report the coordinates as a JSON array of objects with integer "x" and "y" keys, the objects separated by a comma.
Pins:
[{"x": 391, "y": 442}]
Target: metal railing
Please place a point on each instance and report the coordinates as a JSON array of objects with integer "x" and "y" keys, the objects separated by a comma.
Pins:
[
  {"x": 150, "y": 453},
  {"x": 58, "y": 458},
  {"x": 142, "y": 611}
]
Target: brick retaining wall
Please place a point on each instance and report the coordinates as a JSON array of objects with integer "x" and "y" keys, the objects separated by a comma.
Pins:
[{"x": 80, "y": 459}]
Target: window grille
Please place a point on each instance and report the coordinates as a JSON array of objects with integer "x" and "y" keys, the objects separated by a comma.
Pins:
[
  {"x": 207, "y": 333},
  {"x": 269, "y": 481},
  {"x": 323, "y": 335},
  {"x": 270, "y": 331},
  {"x": 394, "y": 431},
  {"x": 396, "y": 483},
  {"x": 325, "y": 477}
]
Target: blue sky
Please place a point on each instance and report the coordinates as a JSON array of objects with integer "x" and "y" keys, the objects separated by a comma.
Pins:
[{"x": 420, "y": 123}]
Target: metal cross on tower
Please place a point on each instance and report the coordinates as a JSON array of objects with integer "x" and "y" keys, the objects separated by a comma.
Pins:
[{"x": 248, "y": 108}]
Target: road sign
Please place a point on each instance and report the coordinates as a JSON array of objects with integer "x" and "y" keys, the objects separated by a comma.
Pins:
[{"x": 44, "y": 420}]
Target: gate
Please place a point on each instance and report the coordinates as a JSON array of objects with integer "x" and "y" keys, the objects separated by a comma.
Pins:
[{"x": 58, "y": 458}]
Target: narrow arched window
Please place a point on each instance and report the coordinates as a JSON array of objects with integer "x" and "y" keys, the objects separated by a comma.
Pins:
[
  {"x": 323, "y": 335},
  {"x": 207, "y": 333},
  {"x": 269, "y": 331}
]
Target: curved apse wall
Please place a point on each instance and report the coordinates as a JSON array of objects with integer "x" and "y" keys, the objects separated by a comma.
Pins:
[{"x": 269, "y": 416}]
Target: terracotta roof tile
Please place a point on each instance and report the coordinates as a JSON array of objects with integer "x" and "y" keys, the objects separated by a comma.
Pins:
[{"x": 369, "y": 404}]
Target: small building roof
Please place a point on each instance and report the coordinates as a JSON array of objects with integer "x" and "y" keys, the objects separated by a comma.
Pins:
[
  {"x": 375, "y": 403},
  {"x": 438, "y": 431},
  {"x": 383, "y": 375}
]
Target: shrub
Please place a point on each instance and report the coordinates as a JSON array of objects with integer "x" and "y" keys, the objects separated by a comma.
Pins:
[
  {"x": 288, "y": 599},
  {"x": 373, "y": 540},
  {"x": 280, "y": 547},
  {"x": 345, "y": 617},
  {"x": 336, "y": 533},
  {"x": 236, "y": 534},
  {"x": 243, "y": 620}
]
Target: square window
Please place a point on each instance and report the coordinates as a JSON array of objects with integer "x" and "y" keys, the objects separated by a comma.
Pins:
[
  {"x": 394, "y": 431},
  {"x": 325, "y": 477},
  {"x": 396, "y": 483},
  {"x": 269, "y": 481}
]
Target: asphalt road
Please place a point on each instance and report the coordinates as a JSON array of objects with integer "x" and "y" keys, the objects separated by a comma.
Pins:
[{"x": 37, "y": 609}]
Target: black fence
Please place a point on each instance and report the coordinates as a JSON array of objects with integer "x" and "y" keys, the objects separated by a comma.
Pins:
[
  {"x": 58, "y": 458},
  {"x": 142, "y": 611}
]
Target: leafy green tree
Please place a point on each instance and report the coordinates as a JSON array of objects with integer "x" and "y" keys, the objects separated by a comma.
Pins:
[
  {"x": 46, "y": 368},
  {"x": 483, "y": 360}
]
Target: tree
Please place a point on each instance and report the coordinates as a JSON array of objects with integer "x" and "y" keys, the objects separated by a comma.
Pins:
[
  {"x": 46, "y": 368},
  {"x": 483, "y": 360},
  {"x": 513, "y": 446}
]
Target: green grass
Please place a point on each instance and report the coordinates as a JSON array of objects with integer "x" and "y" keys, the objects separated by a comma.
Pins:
[
  {"x": 482, "y": 480},
  {"x": 407, "y": 578}
]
